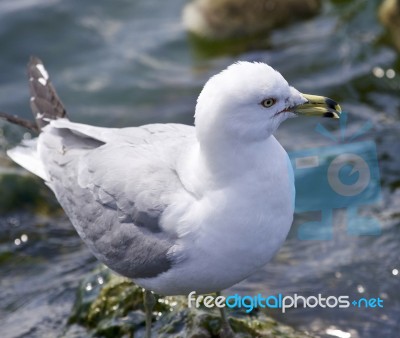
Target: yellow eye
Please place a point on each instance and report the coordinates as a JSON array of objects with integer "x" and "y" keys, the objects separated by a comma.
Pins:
[{"x": 268, "y": 102}]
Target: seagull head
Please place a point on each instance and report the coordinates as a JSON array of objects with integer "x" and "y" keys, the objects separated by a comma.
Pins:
[{"x": 248, "y": 101}]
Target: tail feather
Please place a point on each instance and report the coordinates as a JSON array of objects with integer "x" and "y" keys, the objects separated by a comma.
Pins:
[
  {"x": 26, "y": 156},
  {"x": 45, "y": 103}
]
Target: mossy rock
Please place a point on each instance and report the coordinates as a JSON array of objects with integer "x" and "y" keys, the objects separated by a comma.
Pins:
[
  {"x": 25, "y": 192},
  {"x": 111, "y": 306}
]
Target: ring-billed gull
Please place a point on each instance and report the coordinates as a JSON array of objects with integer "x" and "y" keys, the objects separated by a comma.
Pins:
[{"x": 176, "y": 208}]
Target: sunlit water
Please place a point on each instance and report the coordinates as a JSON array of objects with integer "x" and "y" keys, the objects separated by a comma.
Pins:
[{"x": 129, "y": 63}]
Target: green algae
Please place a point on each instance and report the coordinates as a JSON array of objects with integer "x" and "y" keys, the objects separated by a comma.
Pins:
[
  {"x": 112, "y": 306},
  {"x": 25, "y": 192}
]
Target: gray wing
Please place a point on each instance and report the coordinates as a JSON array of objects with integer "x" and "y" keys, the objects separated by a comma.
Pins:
[{"x": 116, "y": 192}]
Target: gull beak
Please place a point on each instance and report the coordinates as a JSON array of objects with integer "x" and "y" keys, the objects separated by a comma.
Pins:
[{"x": 318, "y": 106}]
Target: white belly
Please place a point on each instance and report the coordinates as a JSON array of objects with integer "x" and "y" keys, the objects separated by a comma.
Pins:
[{"x": 241, "y": 229}]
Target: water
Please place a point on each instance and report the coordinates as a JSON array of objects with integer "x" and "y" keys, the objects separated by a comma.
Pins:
[{"x": 129, "y": 63}]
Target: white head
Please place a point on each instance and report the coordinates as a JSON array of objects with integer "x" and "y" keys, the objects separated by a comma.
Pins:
[{"x": 248, "y": 101}]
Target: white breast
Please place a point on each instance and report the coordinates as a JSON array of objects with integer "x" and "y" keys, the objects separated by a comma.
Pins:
[{"x": 235, "y": 230}]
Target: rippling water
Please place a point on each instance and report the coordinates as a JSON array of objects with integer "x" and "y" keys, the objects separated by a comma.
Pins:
[{"x": 130, "y": 62}]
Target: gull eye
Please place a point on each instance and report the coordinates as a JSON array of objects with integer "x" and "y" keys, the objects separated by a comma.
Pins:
[{"x": 268, "y": 102}]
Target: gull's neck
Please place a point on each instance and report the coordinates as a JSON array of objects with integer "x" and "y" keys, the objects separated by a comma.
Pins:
[
  {"x": 218, "y": 164},
  {"x": 228, "y": 156}
]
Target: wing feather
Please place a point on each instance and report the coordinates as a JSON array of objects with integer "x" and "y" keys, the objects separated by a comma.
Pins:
[{"x": 115, "y": 190}]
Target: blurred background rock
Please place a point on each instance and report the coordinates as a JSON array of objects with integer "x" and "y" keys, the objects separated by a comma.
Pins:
[
  {"x": 230, "y": 19},
  {"x": 389, "y": 14}
]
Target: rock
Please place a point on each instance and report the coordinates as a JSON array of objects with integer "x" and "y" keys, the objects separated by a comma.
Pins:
[
  {"x": 23, "y": 191},
  {"x": 227, "y": 19},
  {"x": 111, "y": 306},
  {"x": 389, "y": 15}
]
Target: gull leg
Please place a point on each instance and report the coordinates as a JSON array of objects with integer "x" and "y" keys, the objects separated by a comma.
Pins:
[
  {"x": 149, "y": 302},
  {"x": 226, "y": 329}
]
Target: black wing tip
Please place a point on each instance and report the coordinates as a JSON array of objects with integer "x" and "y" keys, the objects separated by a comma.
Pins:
[
  {"x": 34, "y": 60},
  {"x": 45, "y": 103},
  {"x": 35, "y": 71}
]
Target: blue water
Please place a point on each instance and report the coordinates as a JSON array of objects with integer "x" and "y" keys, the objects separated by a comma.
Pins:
[{"x": 128, "y": 63}]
